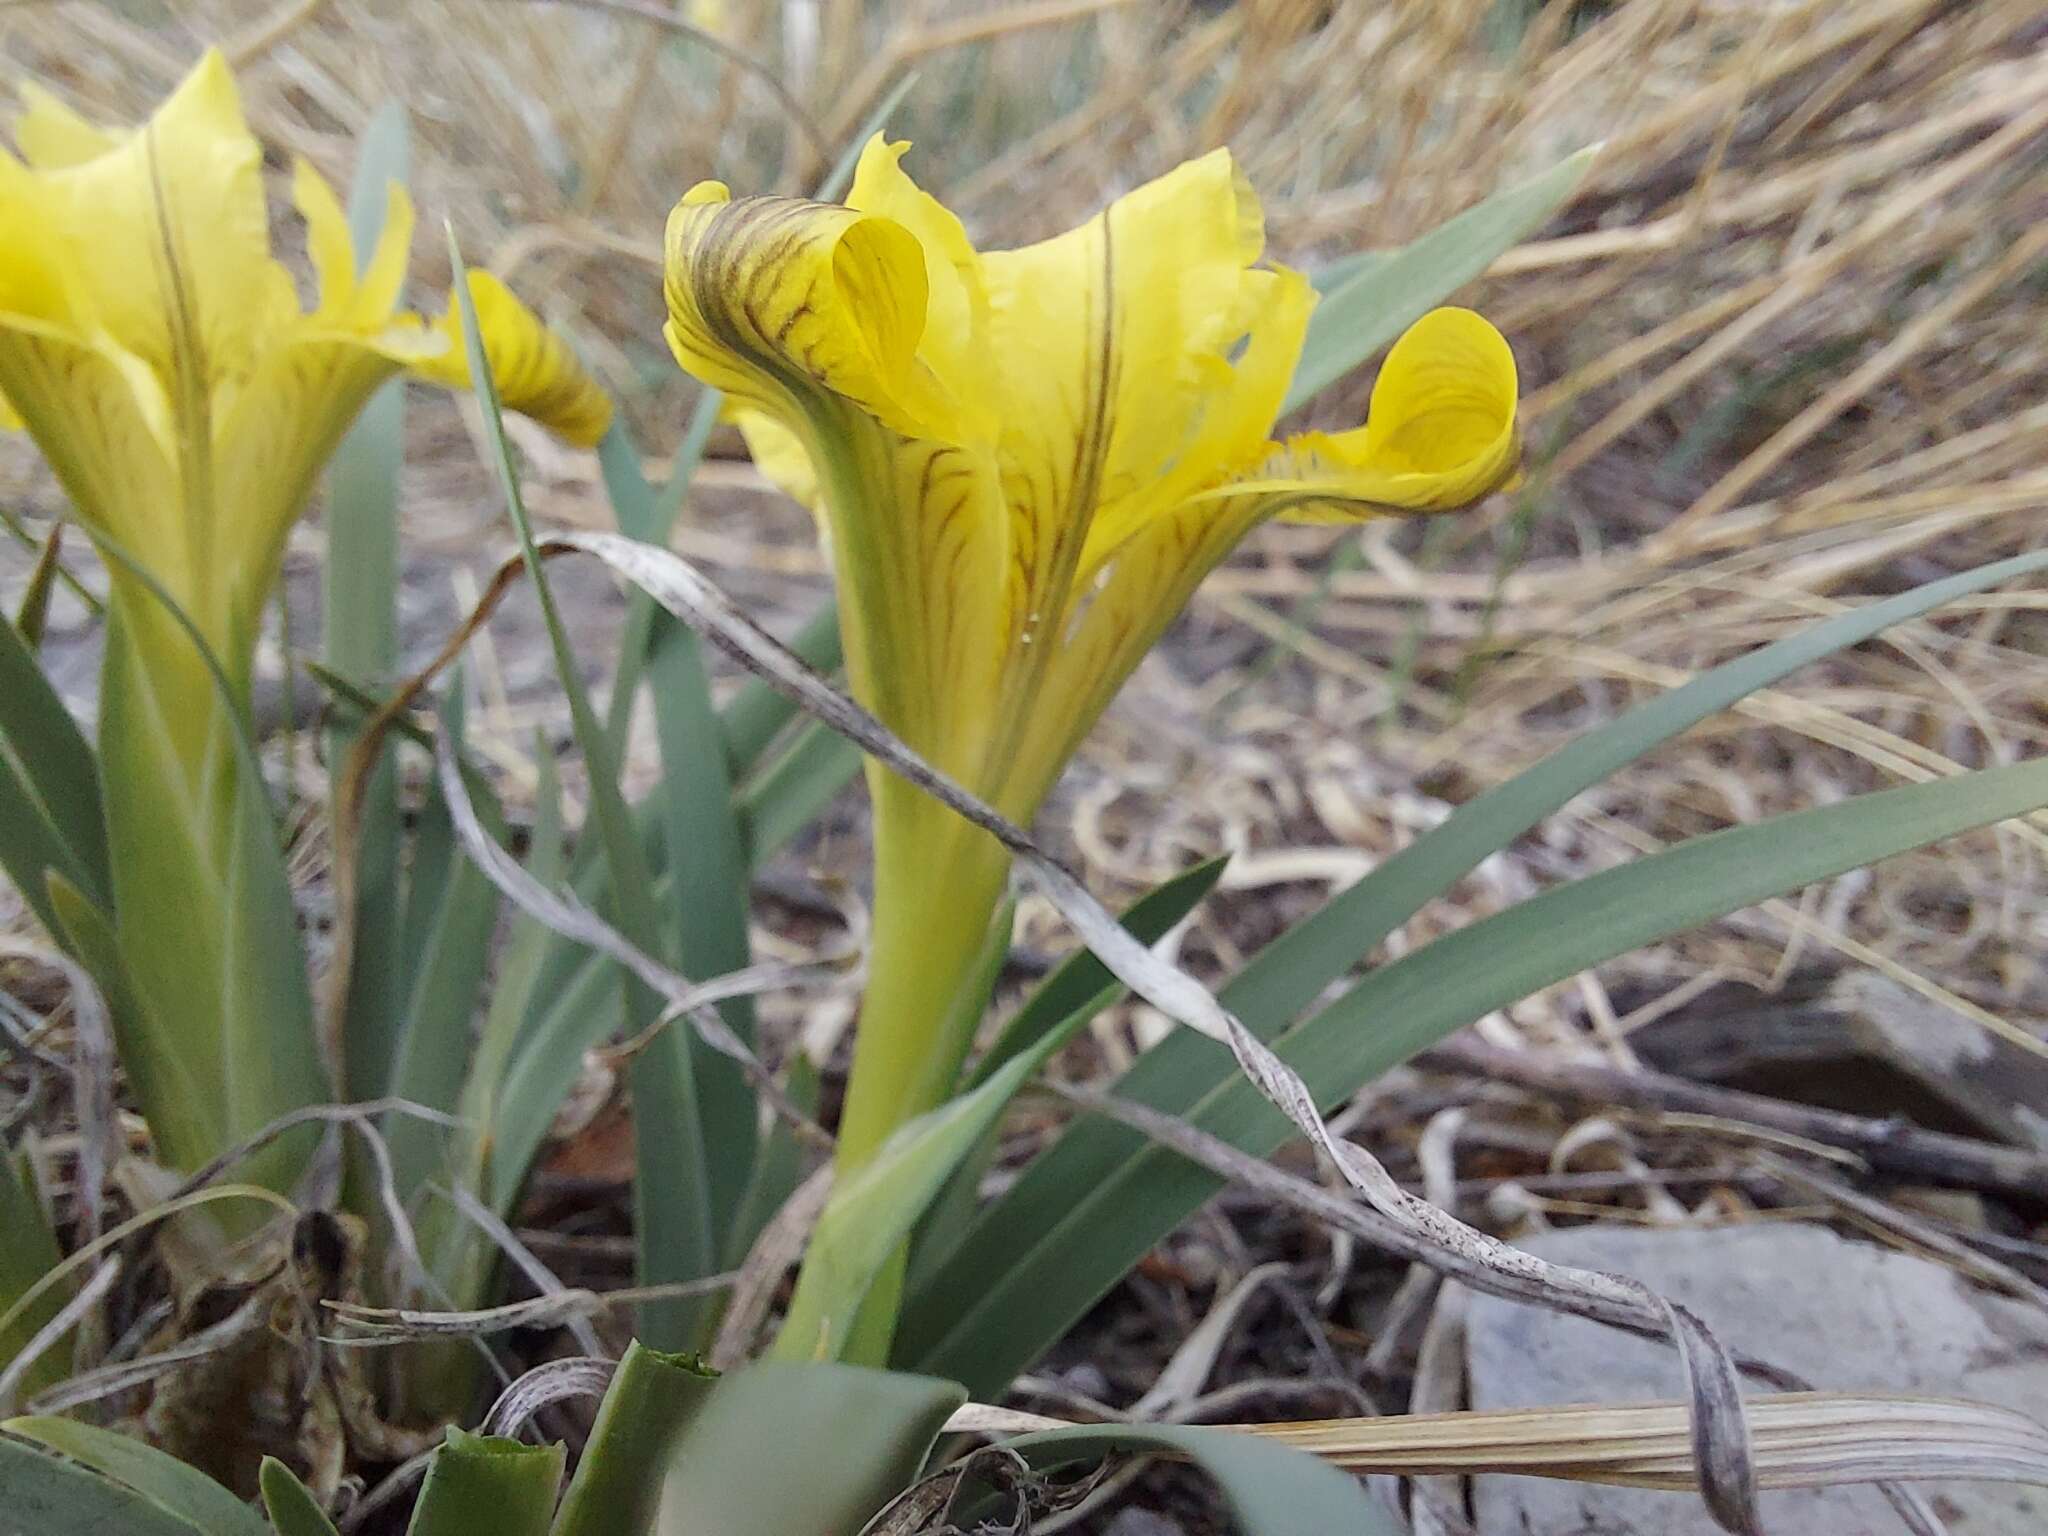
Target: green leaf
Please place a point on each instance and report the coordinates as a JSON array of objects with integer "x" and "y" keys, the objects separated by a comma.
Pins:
[
  {"x": 55, "y": 766},
  {"x": 191, "y": 832},
  {"x": 49, "y": 1497},
  {"x": 483, "y": 1485},
  {"x": 361, "y": 582},
  {"x": 1274, "y": 1489},
  {"x": 758, "y": 713},
  {"x": 1376, "y": 296},
  {"x": 292, "y": 1508},
  {"x": 34, "y": 611},
  {"x": 653, "y": 1400},
  {"x": 707, "y": 870},
  {"x": 782, "y": 1449},
  {"x": 1078, "y": 1249},
  {"x": 29, "y": 1253},
  {"x": 456, "y": 920},
  {"x": 791, "y": 788},
  {"x": 868, "y": 1217},
  {"x": 1063, "y": 1003},
  {"x": 672, "y": 1214},
  {"x": 166, "y": 1482}
]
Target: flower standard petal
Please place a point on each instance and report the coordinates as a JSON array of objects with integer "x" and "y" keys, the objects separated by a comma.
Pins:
[{"x": 813, "y": 320}]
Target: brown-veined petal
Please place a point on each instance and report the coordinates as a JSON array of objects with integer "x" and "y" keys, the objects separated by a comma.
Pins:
[{"x": 536, "y": 373}]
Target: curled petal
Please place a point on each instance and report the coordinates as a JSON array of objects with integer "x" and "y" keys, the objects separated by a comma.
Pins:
[
  {"x": 785, "y": 304},
  {"x": 536, "y": 373},
  {"x": 1440, "y": 433}
]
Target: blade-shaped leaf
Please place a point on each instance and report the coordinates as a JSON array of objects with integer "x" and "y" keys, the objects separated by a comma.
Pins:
[
  {"x": 707, "y": 867},
  {"x": 782, "y": 1449},
  {"x": 56, "y": 767},
  {"x": 1292, "y": 1495},
  {"x": 290, "y": 1504},
  {"x": 651, "y": 1403},
  {"x": 482, "y": 1485},
  {"x": 46, "y": 1496},
  {"x": 29, "y": 1253},
  {"x": 203, "y": 909},
  {"x": 166, "y": 1482},
  {"x": 360, "y": 642}
]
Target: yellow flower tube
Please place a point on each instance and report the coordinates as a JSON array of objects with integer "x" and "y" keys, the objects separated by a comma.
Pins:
[
  {"x": 1023, "y": 462},
  {"x": 161, "y": 357}
]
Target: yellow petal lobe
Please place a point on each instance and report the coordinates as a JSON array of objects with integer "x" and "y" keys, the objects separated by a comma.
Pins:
[{"x": 536, "y": 373}]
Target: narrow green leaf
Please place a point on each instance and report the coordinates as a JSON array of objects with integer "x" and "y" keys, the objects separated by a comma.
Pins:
[
  {"x": 672, "y": 1216},
  {"x": 34, "y": 611},
  {"x": 1079, "y": 989},
  {"x": 361, "y": 582},
  {"x": 31, "y": 848},
  {"x": 642, "y": 515},
  {"x": 707, "y": 867},
  {"x": 49, "y": 1497},
  {"x": 433, "y": 1046},
  {"x": 1274, "y": 1489},
  {"x": 780, "y": 1166},
  {"x": 29, "y": 1253},
  {"x": 163, "y": 1480},
  {"x": 870, "y": 1216},
  {"x": 482, "y": 1485},
  {"x": 1295, "y": 968},
  {"x": 792, "y": 788},
  {"x": 226, "y": 983},
  {"x": 57, "y": 766},
  {"x": 758, "y": 713},
  {"x": 1077, "y": 1251},
  {"x": 1376, "y": 300},
  {"x": 802, "y": 1450},
  {"x": 290, "y": 1504},
  {"x": 653, "y": 1400}
]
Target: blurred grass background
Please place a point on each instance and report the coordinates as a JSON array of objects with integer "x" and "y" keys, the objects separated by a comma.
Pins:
[{"x": 1786, "y": 349}]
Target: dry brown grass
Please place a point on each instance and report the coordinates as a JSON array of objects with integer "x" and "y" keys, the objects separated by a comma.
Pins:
[{"x": 1785, "y": 350}]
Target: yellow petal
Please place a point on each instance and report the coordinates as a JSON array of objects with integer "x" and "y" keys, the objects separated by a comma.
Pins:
[
  {"x": 779, "y": 454},
  {"x": 50, "y": 135},
  {"x": 536, "y": 373},
  {"x": 954, "y": 342},
  {"x": 1115, "y": 343},
  {"x": 328, "y": 242},
  {"x": 166, "y": 236},
  {"x": 1232, "y": 417},
  {"x": 1440, "y": 433},
  {"x": 273, "y": 437},
  {"x": 783, "y": 304}
]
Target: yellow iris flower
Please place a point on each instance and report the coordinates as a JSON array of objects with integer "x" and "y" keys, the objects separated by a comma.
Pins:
[
  {"x": 158, "y": 352},
  {"x": 1024, "y": 461}
]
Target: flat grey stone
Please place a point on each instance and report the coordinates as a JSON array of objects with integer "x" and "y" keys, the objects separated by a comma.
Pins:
[{"x": 1848, "y": 1316}]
